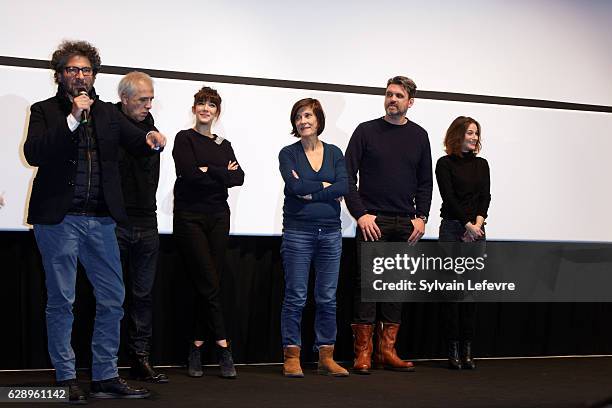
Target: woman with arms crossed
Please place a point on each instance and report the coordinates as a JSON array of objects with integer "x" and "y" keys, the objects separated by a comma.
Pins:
[
  {"x": 315, "y": 181},
  {"x": 205, "y": 168}
]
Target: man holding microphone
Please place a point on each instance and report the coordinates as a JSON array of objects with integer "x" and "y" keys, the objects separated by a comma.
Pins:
[{"x": 73, "y": 138}]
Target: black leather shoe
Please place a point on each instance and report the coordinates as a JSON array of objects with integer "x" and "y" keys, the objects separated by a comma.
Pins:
[
  {"x": 466, "y": 358},
  {"x": 194, "y": 362},
  {"x": 75, "y": 393},
  {"x": 226, "y": 362},
  {"x": 453, "y": 355},
  {"x": 141, "y": 370},
  {"x": 116, "y": 388}
]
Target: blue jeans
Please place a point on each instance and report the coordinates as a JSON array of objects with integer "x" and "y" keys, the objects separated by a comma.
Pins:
[
  {"x": 139, "y": 247},
  {"x": 92, "y": 241},
  {"x": 300, "y": 249}
]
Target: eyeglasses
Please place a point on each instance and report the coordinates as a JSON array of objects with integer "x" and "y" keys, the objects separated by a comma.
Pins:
[{"x": 74, "y": 71}]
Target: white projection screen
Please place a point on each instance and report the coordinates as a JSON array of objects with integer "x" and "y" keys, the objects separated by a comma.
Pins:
[{"x": 549, "y": 165}]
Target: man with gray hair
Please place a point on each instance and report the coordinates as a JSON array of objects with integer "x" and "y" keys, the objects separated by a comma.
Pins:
[{"x": 138, "y": 239}]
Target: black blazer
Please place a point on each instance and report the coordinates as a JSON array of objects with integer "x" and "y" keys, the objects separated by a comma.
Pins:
[{"x": 53, "y": 148}]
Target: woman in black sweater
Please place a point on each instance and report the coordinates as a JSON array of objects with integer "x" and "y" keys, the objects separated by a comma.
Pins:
[
  {"x": 205, "y": 168},
  {"x": 463, "y": 180}
]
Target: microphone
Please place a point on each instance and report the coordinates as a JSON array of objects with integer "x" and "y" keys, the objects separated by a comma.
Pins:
[{"x": 85, "y": 114}]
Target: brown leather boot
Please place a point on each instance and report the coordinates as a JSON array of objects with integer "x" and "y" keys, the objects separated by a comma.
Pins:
[
  {"x": 362, "y": 345},
  {"x": 291, "y": 366},
  {"x": 386, "y": 356},
  {"x": 327, "y": 365}
]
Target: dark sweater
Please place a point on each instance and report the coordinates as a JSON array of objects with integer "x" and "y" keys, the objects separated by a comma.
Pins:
[
  {"x": 139, "y": 180},
  {"x": 394, "y": 165},
  {"x": 194, "y": 190},
  {"x": 323, "y": 211},
  {"x": 88, "y": 196},
  {"x": 464, "y": 187}
]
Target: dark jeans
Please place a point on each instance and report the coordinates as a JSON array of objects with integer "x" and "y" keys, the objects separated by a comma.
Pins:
[
  {"x": 139, "y": 247},
  {"x": 92, "y": 241},
  {"x": 459, "y": 317},
  {"x": 393, "y": 229},
  {"x": 202, "y": 241},
  {"x": 299, "y": 249}
]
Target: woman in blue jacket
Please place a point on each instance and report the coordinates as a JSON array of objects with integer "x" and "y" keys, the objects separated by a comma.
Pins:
[{"x": 315, "y": 182}]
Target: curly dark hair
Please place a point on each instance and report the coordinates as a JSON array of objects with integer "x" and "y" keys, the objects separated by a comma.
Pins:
[
  {"x": 209, "y": 94},
  {"x": 68, "y": 49}
]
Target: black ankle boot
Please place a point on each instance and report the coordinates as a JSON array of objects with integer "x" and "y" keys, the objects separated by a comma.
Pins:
[
  {"x": 226, "y": 362},
  {"x": 453, "y": 355},
  {"x": 194, "y": 362},
  {"x": 467, "y": 360},
  {"x": 75, "y": 393},
  {"x": 142, "y": 370}
]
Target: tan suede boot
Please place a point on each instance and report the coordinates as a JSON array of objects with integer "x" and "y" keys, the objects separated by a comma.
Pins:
[
  {"x": 327, "y": 365},
  {"x": 386, "y": 357},
  {"x": 291, "y": 366},
  {"x": 362, "y": 343}
]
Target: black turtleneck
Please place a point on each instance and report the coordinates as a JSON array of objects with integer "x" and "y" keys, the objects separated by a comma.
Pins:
[
  {"x": 203, "y": 192},
  {"x": 464, "y": 186}
]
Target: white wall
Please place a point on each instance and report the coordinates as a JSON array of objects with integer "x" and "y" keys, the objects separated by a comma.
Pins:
[{"x": 548, "y": 167}]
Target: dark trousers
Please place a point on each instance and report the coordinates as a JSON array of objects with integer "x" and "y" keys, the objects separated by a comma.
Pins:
[
  {"x": 459, "y": 317},
  {"x": 139, "y": 247},
  {"x": 393, "y": 229},
  {"x": 202, "y": 242}
]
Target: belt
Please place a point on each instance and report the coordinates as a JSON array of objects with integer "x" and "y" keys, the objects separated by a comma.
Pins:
[{"x": 391, "y": 214}]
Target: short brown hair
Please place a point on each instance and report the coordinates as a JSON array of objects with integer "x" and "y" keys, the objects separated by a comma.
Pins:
[
  {"x": 455, "y": 135},
  {"x": 69, "y": 49},
  {"x": 406, "y": 83},
  {"x": 209, "y": 94},
  {"x": 317, "y": 109}
]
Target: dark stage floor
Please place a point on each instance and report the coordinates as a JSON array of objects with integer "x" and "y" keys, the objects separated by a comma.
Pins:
[{"x": 554, "y": 383}]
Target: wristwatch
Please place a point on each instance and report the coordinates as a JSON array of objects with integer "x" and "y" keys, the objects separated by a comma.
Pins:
[{"x": 423, "y": 217}]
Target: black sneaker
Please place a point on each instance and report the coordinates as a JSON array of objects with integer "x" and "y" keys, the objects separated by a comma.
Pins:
[
  {"x": 194, "y": 362},
  {"x": 226, "y": 362},
  {"x": 116, "y": 388},
  {"x": 142, "y": 370},
  {"x": 75, "y": 393}
]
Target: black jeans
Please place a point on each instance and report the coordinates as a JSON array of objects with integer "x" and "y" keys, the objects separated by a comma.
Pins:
[
  {"x": 202, "y": 242},
  {"x": 139, "y": 248},
  {"x": 459, "y": 317},
  {"x": 393, "y": 228}
]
